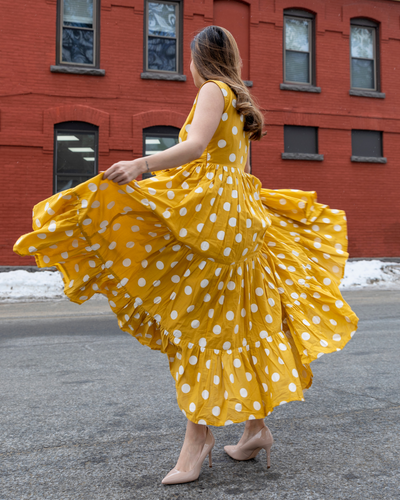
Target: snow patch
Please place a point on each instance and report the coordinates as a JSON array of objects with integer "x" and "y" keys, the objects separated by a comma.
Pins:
[{"x": 371, "y": 274}]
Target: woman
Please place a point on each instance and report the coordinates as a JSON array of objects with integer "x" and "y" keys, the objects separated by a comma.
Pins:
[{"x": 238, "y": 285}]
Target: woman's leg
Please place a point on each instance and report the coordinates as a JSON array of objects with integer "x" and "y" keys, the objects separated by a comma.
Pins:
[
  {"x": 251, "y": 428},
  {"x": 195, "y": 438}
]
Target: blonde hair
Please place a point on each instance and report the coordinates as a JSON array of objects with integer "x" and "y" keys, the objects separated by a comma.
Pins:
[{"x": 216, "y": 56}]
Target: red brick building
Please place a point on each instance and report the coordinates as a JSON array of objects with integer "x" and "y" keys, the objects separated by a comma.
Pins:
[{"x": 111, "y": 77}]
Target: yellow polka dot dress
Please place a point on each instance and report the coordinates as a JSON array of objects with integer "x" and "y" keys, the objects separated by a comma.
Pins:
[{"x": 236, "y": 284}]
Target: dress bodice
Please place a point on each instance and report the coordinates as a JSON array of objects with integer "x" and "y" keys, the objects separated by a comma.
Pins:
[{"x": 230, "y": 143}]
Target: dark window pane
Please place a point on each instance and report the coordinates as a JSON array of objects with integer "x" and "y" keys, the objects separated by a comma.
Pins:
[
  {"x": 78, "y": 11},
  {"x": 366, "y": 143},
  {"x": 362, "y": 74},
  {"x": 76, "y": 153},
  {"x": 297, "y": 67},
  {"x": 67, "y": 182},
  {"x": 162, "y": 54},
  {"x": 300, "y": 139},
  {"x": 77, "y": 46},
  {"x": 162, "y": 19},
  {"x": 156, "y": 144}
]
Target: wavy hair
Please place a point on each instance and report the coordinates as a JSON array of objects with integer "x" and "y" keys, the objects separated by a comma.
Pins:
[{"x": 216, "y": 56}]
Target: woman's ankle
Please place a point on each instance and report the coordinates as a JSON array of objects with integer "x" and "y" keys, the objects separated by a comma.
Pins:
[
  {"x": 254, "y": 425},
  {"x": 195, "y": 432}
]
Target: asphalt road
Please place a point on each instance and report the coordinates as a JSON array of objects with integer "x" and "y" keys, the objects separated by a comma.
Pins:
[{"x": 88, "y": 413}]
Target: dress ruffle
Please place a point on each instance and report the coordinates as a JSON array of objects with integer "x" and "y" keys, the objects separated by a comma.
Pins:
[{"x": 241, "y": 320}]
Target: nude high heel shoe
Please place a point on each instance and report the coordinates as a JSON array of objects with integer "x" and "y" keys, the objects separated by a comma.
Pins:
[
  {"x": 176, "y": 477},
  {"x": 250, "y": 448}
]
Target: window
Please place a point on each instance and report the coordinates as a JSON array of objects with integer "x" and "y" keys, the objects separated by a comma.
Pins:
[
  {"x": 156, "y": 139},
  {"x": 78, "y": 33},
  {"x": 363, "y": 54},
  {"x": 298, "y": 43},
  {"x": 75, "y": 154},
  {"x": 163, "y": 40},
  {"x": 301, "y": 143},
  {"x": 367, "y": 146}
]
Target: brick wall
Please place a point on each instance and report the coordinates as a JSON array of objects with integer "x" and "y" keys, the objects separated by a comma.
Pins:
[{"x": 32, "y": 100}]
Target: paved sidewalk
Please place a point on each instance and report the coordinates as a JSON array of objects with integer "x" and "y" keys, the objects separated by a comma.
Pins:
[{"x": 88, "y": 413}]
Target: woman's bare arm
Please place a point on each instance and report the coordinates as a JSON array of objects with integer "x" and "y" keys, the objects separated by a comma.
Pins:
[
  {"x": 207, "y": 116},
  {"x": 247, "y": 166}
]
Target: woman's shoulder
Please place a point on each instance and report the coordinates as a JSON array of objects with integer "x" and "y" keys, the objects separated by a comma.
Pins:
[{"x": 224, "y": 88}]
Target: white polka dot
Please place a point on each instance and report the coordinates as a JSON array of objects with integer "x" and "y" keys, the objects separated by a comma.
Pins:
[
  {"x": 204, "y": 245},
  {"x": 126, "y": 262},
  {"x": 256, "y": 405},
  {"x": 221, "y": 235},
  {"x": 205, "y": 394},
  {"x": 141, "y": 282},
  {"x": 193, "y": 360},
  {"x": 232, "y": 157},
  {"x": 216, "y": 380},
  {"x": 316, "y": 320},
  {"x": 217, "y": 329},
  {"x": 337, "y": 227},
  {"x": 92, "y": 187},
  {"x": 282, "y": 347},
  {"x": 185, "y": 388},
  {"x": 192, "y": 407},
  {"x": 268, "y": 318},
  {"x": 230, "y": 315},
  {"x": 226, "y": 346},
  {"x": 202, "y": 342},
  {"x": 324, "y": 343},
  {"x": 174, "y": 314},
  {"x": 237, "y": 363},
  {"x": 234, "y": 130},
  {"x": 221, "y": 143},
  {"x": 305, "y": 336},
  {"x": 243, "y": 393},
  {"x": 238, "y": 238},
  {"x": 227, "y": 206},
  {"x": 204, "y": 283},
  {"x": 275, "y": 377},
  {"x": 339, "y": 304},
  {"x": 336, "y": 337},
  {"x": 227, "y": 251},
  {"x": 195, "y": 323},
  {"x": 224, "y": 117},
  {"x": 238, "y": 407},
  {"x": 292, "y": 387}
]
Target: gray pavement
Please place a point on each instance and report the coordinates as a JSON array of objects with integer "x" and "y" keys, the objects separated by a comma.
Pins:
[{"x": 88, "y": 413}]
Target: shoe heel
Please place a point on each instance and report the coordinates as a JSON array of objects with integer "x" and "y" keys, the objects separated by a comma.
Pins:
[
  {"x": 268, "y": 450},
  {"x": 209, "y": 460}
]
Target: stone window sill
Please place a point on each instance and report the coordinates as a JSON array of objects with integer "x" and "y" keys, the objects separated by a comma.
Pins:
[
  {"x": 248, "y": 83},
  {"x": 302, "y": 156},
  {"x": 369, "y": 159},
  {"x": 367, "y": 93},
  {"x": 300, "y": 88},
  {"x": 77, "y": 70},
  {"x": 149, "y": 75}
]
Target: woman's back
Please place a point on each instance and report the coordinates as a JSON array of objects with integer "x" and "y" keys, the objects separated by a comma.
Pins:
[{"x": 230, "y": 144}]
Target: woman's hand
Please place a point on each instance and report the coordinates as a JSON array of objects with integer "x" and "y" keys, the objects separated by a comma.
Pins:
[{"x": 124, "y": 172}]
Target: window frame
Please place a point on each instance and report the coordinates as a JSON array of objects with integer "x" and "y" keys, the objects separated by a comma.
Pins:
[
  {"x": 367, "y": 23},
  {"x": 157, "y": 131},
  {"x": 75, "y": 127},
  {"x": 96, "y": 37},
  {"x": 179, "y": 40},
  {"x": 301, "y": 14}
]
